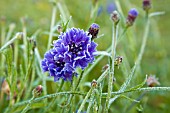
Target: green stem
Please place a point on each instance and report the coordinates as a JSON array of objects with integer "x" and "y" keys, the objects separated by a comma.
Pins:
[
  {"x": 42, "y": 98},
  {"x": 11, "y": 28},
  {"x": 91, "y": 102},
  {"x": 52, "y": 25},
  {"x": 61, "y": 85},
  {"x": 52, "y": 103},
  {"x": 139, "y": 90},
  {"x": 28, "y": 105},
  {"x": 111, "y": 75},
  {"x": 18, "y": 35},
  {"x": 74, "y": 89},
  {"x": 91, "y": 89},
  {"x": 138, "y": 61},
  {"x": 84, "y": 101}
]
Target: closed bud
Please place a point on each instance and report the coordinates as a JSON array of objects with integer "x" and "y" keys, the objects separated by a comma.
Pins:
[
  {"x": 115, "y": 17},
  {"x": 37, "y": 91},
  {"x": 146, "y": 5},
  {"x": 94, "y": 84},
  {"x": 118, "y": 60},
  {"x": 105, "y": 67},
  {"x": 93, "y": 30},
  {"x": 59, "y": 29},
  {"x": 132, "y": 14}
]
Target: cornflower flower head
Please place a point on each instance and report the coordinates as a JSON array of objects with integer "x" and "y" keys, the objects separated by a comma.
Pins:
[
  {"x": 132, "y": 14},
  {"x": 146, "y": 5},
  {"x": 73, "y": 49},
  {"x": 93, "y": 30}
]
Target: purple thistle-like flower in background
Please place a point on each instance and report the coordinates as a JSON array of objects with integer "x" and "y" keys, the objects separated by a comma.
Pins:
[
  {"x": 110, "y": 7},
  {"x": 93, "y": 30},
  {"x": 132, "y": 14},
  {"x": 146, "y": 5},
  {"x": 73, "y": 49}
]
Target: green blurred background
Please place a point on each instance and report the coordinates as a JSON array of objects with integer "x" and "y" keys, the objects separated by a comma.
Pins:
[{"x": 156, "y": 57}]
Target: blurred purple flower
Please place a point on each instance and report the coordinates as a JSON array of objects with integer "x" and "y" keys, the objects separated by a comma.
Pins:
[
  {"x": 100, "y": 9},
  {"x": 110, "y": 7},
  {"x": 93, "y": 30},
  {"x": 73, "y": 49},
  {"x": 132, "y": 14}
]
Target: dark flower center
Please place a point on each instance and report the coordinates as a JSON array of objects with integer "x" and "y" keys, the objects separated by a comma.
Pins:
[
  {"x": 60, "y": 64},
  {"x": 75, "y": 48}
]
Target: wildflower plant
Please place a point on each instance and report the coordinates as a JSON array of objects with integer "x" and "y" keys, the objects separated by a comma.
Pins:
[
  {"x": 63, "y": 77},
  {"x": 73, "y": 49}
]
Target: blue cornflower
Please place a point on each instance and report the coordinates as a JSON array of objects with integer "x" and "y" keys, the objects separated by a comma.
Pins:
[
  {"x": 132, "y": 14},
  {"x": 93, "y": 30},
  {"x": 73, "y": 49},
  {"x": 110, "y": 7}
]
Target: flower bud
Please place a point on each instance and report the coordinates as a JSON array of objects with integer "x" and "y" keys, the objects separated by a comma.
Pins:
[
  {"x": 105, "y": 67},
  {"x": 115, "y": 17},
  {"x": 37, "y": 91},
  {"x": 118, "y": 60},
  {"x": 94, "y": 84},
  {"x": 152, "y": 81},
  {"x": 93, "y": 30},
  {"x": 59, "y": 29},
  {"x": 146, "y": 5},
  {"x": 133, "y": 13}
]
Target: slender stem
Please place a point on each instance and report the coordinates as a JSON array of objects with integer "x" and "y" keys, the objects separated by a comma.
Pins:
[
  {"x": 140, "y": 90},
  {"x": 52, "y": 103},
  {"x": 84, "y": 101},
  {"x": 91, "y": 102},
  {"x": 79, "y": 80},
  {"x": 91, "y": 89},
  {"x": 138, "y": 61},
  {"x": 138, "y": 99},
  {"x": 11, "y": 28},
  {"x": 28, "y": 105},
  {"x": 61, "y": 85},
  {"x": 104, "y": 53},
  {"x": 42, "y": 98},
  {"x": 10, "y": 41},
  {"x": 74, "y": 89},
  {"x": 111, "y": 75},
  {"x": 52, "y": 25}
]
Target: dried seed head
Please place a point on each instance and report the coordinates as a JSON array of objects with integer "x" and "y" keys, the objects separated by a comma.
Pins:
[
  {"x": 146, "y": 5},
  {"x": 5, "y": 87},
  {"x": 115, "y": 17},
  {"x": 133, "y": 13},
  {"x": 105, "y": 67},
  {"x": 93, "y": 30},
  {"x": 152, "y": 81},
  {"x": 38, "y": 91},
  {"x": 94, "y": 84}
]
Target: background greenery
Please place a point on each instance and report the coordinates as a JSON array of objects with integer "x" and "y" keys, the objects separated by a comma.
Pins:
[{"x": 156, "y": 57}]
